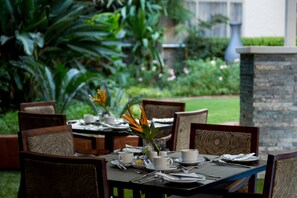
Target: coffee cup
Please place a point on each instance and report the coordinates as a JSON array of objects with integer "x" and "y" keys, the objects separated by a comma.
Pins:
[
  {"x": 162, "y": 163},
  {"x": 88, "y": 118},
  {"x": 109, "y": 120},
  {"x": 152, "y": 155},
  {"x": 163, "y": 153},
  {"x": 189, "y": 155},
  {"x": 126, "y": 157}
]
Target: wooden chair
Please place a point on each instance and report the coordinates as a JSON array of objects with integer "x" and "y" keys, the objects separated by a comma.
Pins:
[
  {"x": 162, "y": 109},
  {"x": 226, "y": 139},
  {"x": 280, "y": 178},
  {"x": 55, "y": 140},
  {"x": 48, "y": 107},
  {"x": 60, "y": 176},
  {"x": 182, "y": 126},
  {"x": 40, "y": 120},
  {"x": 29, "y": 120}
]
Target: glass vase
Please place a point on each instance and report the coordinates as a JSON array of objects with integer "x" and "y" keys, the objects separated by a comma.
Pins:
[{"x": 152, "y": 145}]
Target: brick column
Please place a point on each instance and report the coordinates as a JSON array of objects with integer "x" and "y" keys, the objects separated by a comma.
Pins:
[{"x": 268, "y": 95}]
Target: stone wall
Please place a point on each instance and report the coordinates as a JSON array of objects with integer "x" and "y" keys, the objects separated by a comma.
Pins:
[{"x": 268, "y": 96}]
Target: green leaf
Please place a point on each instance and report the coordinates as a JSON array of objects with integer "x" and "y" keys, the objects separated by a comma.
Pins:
[{"x": 28, "y": 43}]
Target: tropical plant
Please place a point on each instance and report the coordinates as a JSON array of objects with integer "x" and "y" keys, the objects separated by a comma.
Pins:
[
  {"x": 200, "y": 46},
  {"x": 140, "y": 20},
  {"x": 142, "y": 128},
  {"x": 113, "y": 100},
  {"x": 60, "y": 85},
  {"x": 53, "y": 32}
]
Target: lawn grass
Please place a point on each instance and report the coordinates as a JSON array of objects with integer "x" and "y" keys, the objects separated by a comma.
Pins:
[
  {"x": 220, "y": 110},
  {"x": 9, "y": 183}
]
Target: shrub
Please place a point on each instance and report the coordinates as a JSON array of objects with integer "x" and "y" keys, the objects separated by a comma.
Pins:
[
  {"x": 263, "y": 41},
  {"x": 9, "y": 123},
  {"x": 202, "y": 48},
  {"x": 148, "y": 92},
  {"x": 210, "y": 77}
]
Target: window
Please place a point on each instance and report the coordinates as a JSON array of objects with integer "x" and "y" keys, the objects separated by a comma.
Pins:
[{"x": 204, "y": 9}]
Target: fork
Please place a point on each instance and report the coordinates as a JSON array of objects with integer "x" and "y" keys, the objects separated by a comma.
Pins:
[{"x": 185, "y": 169}]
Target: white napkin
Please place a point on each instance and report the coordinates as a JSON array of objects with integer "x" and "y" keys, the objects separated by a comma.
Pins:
[
  {"x": 239, "y": 157},
  {"x": 163, "y": 120},
  {"x": 132, "y": 149}
]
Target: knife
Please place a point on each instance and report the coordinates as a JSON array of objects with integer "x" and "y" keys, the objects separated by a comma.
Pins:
[
  {"x": 223, "y": 163},
  {"x": 142, "y": 176}
]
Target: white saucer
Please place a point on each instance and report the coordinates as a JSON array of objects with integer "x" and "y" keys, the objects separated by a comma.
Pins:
[
  {"x": 170, "y": 168},
  {"x": 199, "y": 160},
  {"x": 116, "y": 162}
]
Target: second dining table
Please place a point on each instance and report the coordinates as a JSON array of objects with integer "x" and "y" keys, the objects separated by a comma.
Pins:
[
  {"x": 146, "y": 181},
  {"x": 109, "y": 131}
]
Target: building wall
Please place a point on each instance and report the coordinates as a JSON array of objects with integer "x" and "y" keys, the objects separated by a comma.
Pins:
[
  {"x": 259, "y": 17},
  {"x": 263, "y": 18}
]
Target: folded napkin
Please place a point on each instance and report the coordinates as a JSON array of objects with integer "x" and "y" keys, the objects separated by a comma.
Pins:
[
  {"x": 163, "y": 120},
  {"x": 239, "y": 157},
  {"x": 132, "y": 149}
]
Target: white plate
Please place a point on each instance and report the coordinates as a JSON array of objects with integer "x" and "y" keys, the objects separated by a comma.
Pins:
[
  {"x": 199, "y": 160},
  {"x": 121, "y": 126},
  {"x": 170, "y": 168},
  {"x": 116, "y": 162},
  {"x": 184, "y": 180}
]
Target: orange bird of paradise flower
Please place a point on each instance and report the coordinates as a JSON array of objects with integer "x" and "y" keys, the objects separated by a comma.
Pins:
[
  {"x": 101, "y": 96},
  {"x": 134, "y": 125}
]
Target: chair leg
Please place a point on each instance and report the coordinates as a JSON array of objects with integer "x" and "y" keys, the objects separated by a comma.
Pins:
[
  {"x": 120, "y": 192},
  {"x": 136, "y": 194}
]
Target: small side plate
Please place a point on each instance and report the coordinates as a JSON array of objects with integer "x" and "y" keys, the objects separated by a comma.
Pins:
[
  {"x": 185, "y": 181},
  {"x": 199, "y": 160}
]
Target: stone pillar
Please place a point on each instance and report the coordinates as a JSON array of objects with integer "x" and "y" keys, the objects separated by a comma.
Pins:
[{"x": 268, "y": 95}]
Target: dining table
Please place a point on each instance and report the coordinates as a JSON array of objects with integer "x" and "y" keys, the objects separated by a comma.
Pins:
[
  {"x": 142, "y": 179},
  {"x": 109, "y": 131}
]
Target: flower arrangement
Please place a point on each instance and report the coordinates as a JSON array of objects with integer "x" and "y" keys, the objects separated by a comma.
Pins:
[
  {"x": 141, "y": 128},
  {"x": 101, "y": 99}
]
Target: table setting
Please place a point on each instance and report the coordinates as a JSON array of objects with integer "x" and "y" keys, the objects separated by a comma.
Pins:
[
  {"x": 185, "y": 166},
  {"x": 91, "y": 122}
]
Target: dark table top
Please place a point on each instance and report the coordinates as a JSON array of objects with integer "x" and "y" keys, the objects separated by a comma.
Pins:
[{"x": 119, "y": 178}]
